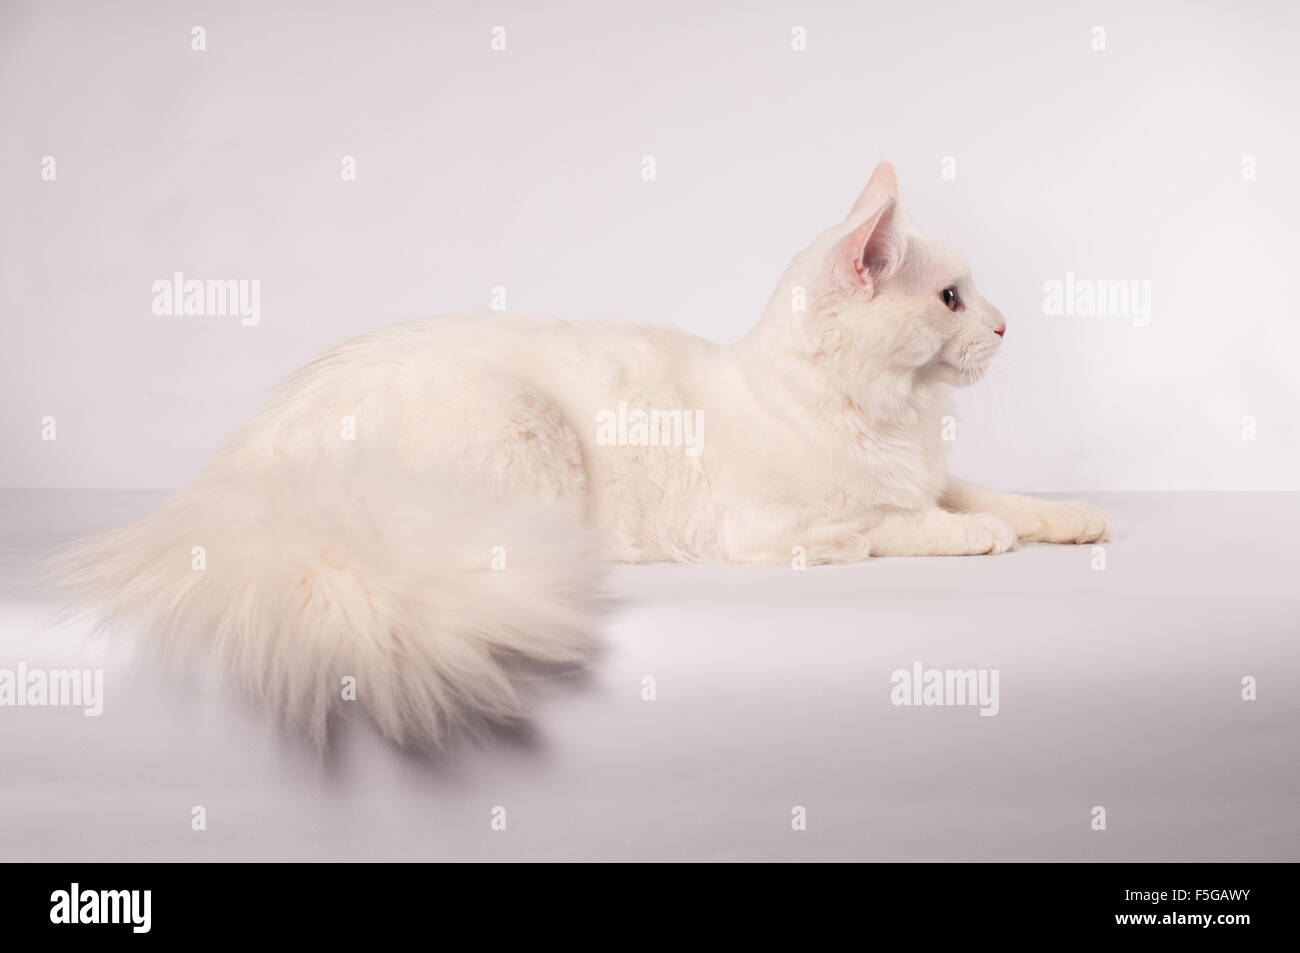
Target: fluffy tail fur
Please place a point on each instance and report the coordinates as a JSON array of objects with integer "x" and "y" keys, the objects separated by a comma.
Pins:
[{"x": 422, "y": 590}]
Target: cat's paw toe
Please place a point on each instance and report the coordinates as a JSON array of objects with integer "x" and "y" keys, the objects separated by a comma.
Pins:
[
  {"x": 1074, "y": 522},
  {"x": 989, "y": 535},
  {"x": 1093, "y": 524}
]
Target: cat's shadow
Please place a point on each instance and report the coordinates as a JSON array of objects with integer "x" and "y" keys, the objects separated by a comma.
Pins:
[{"x": 353, "y": 739}]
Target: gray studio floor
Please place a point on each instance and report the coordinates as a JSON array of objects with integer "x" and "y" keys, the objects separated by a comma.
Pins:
[{"x": 1118, "y": 688}]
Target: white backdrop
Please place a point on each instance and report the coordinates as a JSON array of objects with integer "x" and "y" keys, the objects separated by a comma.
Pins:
[{"x": 522, "y": 168}]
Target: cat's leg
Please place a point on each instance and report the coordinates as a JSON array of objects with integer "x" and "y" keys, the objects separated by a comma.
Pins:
[
  {"x": 936, "y": 532},
  {"x": 510, "y": 439},
  {"x": 1034, "y": 520},
  {"x": 771, "y": 533},
  {"x": 842, "y": 543},
  {"x": 792, "y": 534}
]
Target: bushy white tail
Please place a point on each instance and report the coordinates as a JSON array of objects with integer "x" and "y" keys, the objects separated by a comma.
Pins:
[{"x": 421, "y": 589}]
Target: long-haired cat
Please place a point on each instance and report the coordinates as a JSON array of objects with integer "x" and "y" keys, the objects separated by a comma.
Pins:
[{"x": 421, "y": 505}]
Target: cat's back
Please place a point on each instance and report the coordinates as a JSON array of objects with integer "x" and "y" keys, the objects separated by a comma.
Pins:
[
  {"x": 547, "y": 352},
  {"x": 439, "y": 356},
  {"x": 503, "y": 338}
]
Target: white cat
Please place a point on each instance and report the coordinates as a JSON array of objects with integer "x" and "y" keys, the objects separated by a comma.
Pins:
[{"x": 419, "y": 506}]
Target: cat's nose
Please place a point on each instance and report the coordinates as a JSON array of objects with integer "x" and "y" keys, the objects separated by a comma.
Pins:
[{"x": 1002, "y": 329}]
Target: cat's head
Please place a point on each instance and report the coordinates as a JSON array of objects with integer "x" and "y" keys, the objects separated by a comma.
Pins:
[{"x": 876, "y": 293}]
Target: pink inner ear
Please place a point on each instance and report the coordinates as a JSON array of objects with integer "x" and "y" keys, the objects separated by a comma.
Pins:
[
  {"x": 882, "y": 187},
  {"x": 873, "y": 243}
]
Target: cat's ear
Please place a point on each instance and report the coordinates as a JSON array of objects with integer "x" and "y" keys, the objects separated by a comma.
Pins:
[
  {"x": 872, "y": 251},
  {"x": 882, "y": 187}
]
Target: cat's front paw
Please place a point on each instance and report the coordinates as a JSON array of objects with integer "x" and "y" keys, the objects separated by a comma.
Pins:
[
  {"x": 1071, "y": 522},
  {"x": 986, "y": 535}
]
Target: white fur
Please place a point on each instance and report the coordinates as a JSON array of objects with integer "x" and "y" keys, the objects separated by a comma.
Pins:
[{"x": 373, "y": 557}]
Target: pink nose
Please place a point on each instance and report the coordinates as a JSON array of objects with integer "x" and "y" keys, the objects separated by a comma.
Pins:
[{"x": 1002, "y": 329}]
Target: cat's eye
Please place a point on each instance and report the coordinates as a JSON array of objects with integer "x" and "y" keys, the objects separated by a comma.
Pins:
[{"x": 949, "y": 298}]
